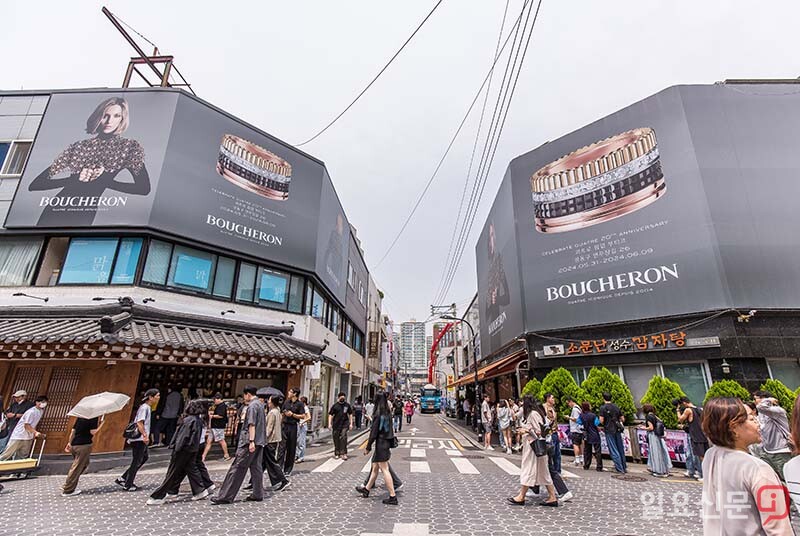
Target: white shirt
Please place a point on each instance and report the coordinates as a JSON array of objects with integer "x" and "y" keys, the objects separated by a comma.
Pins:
[
  {"x": 31, "y": 418},
  {"x": 574, "y": 427},
  {"x": 486, "y": 412},
  {"x": 143, "y": 416},
  {"x": 368, "y": 409}
]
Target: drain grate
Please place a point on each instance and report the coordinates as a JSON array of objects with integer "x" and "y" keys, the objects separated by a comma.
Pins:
[
  {"x": 629, "y": 478},
  {"x": 472, "y": 457}
]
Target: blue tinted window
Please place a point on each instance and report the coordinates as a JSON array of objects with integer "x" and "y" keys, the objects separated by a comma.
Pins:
[
  {"x": 223, "y": 280},
  {"x": 247, "y": 282},
  {"x": 89, "y": 260},
  {"x": 4, "y": 147},
  {"x": 273, "y": 287},
  {"x": 127, "y": 260},
  {"x": 156, "y": 267},
  {"x": 191, "y": 269}
]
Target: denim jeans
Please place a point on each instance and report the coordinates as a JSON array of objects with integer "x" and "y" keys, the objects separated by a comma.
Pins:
[
  {"x": 4, "y": 442},
  {"x": 302, "y": 434},
  {"x": 693, "y": 464},
  {"x": 616, "y": 448},
  {"x": 556, "y": 452},
  {"x": 398, "y": 423}
]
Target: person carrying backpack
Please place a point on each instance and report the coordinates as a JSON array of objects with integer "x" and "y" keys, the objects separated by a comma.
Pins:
[{"x": 658, "y": 462}]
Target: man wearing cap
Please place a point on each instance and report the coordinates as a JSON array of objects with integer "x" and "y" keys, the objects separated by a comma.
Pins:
[
  {"x": 25, "y": 431},
  {"x": 13, "y": 414},
  {"x": 139, "y": 444}
]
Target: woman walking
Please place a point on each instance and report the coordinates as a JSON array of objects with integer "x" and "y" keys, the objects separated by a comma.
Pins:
[
  {"x": 534, "y": 468},
  {"x": 658, "y": 462},
  {"x": 186, "y": 445},
  {"x": 408, "y": 409},
  {"x": 730, "y": 471},
  {"x": 382, "y": 436},
  {"x": 591, "y": 437},
  {"x": 80, "y": 446},
  {"x": 504, "y": 423}
]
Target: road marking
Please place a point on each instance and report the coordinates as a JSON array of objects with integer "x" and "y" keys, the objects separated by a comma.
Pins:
[
  {"x": 506, "y": 465},
  {"x": 367, "y": 467},
  {"x": 458, "y": 444},
  {"x": 407, "y": 529},
  {"x": 454, "y": 453},
  {"x": 329, "y": 466},
  {"x": 567, "y": 474},
  {"x": 418, "y": 453},
  {"x": 464, "y": 466},
  {"x": 420, "y": 467}
]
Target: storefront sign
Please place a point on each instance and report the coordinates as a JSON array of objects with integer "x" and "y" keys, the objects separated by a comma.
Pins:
[
  {"x": 374, "y": 344},
  {"x": 646, "y": 343}
]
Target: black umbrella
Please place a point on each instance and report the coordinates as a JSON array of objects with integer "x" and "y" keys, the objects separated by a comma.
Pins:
[{"x": 267, "y": 392}]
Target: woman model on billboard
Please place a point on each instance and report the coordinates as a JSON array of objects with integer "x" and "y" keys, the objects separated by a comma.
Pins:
[
  {"x": 92, "y": 166},
  {"x": 497, "y": 289}
]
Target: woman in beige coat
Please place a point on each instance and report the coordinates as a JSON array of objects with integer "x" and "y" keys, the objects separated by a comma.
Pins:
[{"x": 534, "y": 469}]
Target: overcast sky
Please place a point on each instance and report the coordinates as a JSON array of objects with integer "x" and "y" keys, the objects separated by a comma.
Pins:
[{"x": 290, "y": 66}]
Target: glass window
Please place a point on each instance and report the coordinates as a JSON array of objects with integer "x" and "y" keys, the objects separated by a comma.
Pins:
[
  {"x": 637, "y": 378},
  {"x": 348, "y": 334},
  {"x": 191, "y": 269},
  {"x": 361, "y": 292},
  {"x": 5, "y": 146},
  {"x": 223, "y": 278},
  {"x": 245, "y": 290},
  {"x": 17, "y": 157},
  {"x": 335, "y": 319},
  {"x": 357, "y": 341},
  {"x": 351, "y": 276},
  {"x": 691, "y": 377},
  {"x": 18, "y": 258},
  {"x": 156, "y": 267},
  {"x": 317, "y": 306},
  {"x": 309, "y": 297},
  {"x": 296, "y": 294},
  {"x": 273, "y": 287},
  {"x": 786, "y": 371},
  {"x": 127, "y": 261},
  {"x": 577, "y": 373},
  {"x": 88, "y": 260}
]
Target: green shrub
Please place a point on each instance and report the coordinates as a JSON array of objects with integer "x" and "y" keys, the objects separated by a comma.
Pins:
[
  {"x": 601, "y": 380},
  {"x": 533, "y": 388},
  {"x": 562, "y": 384},
  {"x": 660, "y": 393},
  {"x": 784, "y": 395},
  {"x": 727, "y": 389}
]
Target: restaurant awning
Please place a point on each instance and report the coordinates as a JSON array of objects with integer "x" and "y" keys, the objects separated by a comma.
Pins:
[
  {"x": 500, "y": 367},
  {"x": 136, "y": 332}
]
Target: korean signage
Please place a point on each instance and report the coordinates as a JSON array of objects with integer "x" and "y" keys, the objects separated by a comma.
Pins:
[
  {"x": 374, "y": 344},
  {"x": 645, "y": 343}
]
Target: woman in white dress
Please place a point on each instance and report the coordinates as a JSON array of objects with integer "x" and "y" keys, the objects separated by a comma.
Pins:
[{"x": 534, "y": 468}]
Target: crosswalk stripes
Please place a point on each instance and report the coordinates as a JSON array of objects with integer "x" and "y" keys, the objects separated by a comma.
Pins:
[
  {"x": 464, "y": 466},
  {"x": 453, "y": 452},
  {"x": 328, "y": 466},
  {"x": 567, "y": 474},
  {"x": 418, "y": 453},
  {"x": 367, "y": 467},
  {"x": 506, "y": 465},
  {"x": 420, "y": 467}
]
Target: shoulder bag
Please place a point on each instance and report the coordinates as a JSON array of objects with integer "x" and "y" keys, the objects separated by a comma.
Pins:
[{"x": 131, "y": 431}]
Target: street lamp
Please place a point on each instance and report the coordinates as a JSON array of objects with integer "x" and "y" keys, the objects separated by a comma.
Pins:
[{"x": 474, "y": 364}]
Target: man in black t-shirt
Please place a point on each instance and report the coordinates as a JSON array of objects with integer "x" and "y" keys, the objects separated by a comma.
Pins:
[
  {"x": 293, "y": 410},
  {"x": 613, "y": 425},
  {"x": 80, "y": 446},
  {"x": 340, "y": 421},
  {"x": 219, "y": 422}
]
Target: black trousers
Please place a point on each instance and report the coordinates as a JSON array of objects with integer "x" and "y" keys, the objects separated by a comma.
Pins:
[
  {"x": 558, "y": 482},
  {"x": 395, "y": 479},
  {"x": 358, "y": 416},
  {"x": 340, "y": 441},
  {"x": 181, "y": 465},
  {"x": 166, "y": 427},
  {"x": 272, "y": 464},
  {"x": 408, "y": 418},
  {"x": 139, "y": 456},
  {"x": 588, "y": 448},
  {"x": 288, "y": 450},
  {"x": 243, "y": 462},
  {"x": 205, "y": 479}
]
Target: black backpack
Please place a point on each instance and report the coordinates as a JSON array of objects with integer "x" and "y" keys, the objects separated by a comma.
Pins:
[{"x": 659, "y": 428}]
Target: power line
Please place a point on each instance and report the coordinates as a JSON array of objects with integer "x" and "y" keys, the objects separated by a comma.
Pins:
[
  {"x": 450, "y": 268},
  {"x": 447, "y": 150},
  {"x": 494, "y": 140},
  {"x": 329, "y": 125}
]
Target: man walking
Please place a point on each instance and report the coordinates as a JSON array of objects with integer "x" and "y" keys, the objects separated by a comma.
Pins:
[
  {"x": 25, "y": 432},
  {"x": 552, "y": 416},
  {"x": 486, "y": 421},
  {"x": 80, "y": 446},
  {"x": 692, "y": 416},
  {"x": 293, "y": 411},
  {"x": 249, "y": 452},
  {"x": 216, "y": 433},
  {"x": 13, "y": 414},
  {"x": 277, "y": 479},
  {"x": 302, "y": 431},
  {"x": 340, "y": 421},
  {"x": 139, "y": 454},
  {"x": 613, "y": 421},
  {"x": 369, "y": 407},
  {"x": 168, "y": 420},
  {"x": 774, "y": 431},
  {"x": 575, "y": 430}
]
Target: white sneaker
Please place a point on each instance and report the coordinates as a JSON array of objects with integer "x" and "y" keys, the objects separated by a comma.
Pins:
[
  {"x": 76, "y": 492},
  {"x": 211, "y": 488},
  {"x": 489, "y": 448},
  {"x": 508, "y": 451},
  {"x": 154, "y": 502},
  {"x": 171, "y": 497},
  {"x": 531, "y": 494},
  {"x": 687, "y": 474},
  {"x": 568, "y": 496},
  {"x": 200, "y": 496},
  {"x": 699, "y": 478}
]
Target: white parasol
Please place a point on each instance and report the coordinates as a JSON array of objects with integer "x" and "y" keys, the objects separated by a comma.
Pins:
[{"x": 100, "y": 404}]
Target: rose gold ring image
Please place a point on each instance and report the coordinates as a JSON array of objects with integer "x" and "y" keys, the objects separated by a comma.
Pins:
[
  {"x": 599, "y": 182},
  {"x": 253, "y": 168}
]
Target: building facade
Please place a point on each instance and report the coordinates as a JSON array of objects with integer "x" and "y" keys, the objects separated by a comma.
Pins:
[
  {"x": 413, "y": 355},
  {"x": 153, "y": 240}
]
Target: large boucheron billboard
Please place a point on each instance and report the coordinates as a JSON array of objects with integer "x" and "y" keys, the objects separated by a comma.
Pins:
[
  {"x": 167, "y": 161},
  {"x": 680, "y": 203}
]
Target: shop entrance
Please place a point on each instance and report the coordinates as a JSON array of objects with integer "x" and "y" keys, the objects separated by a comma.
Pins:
[{"x": 202, "y": 382}]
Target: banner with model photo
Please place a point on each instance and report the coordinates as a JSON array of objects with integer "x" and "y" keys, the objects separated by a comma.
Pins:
[{"x": 170, "y": 162}]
